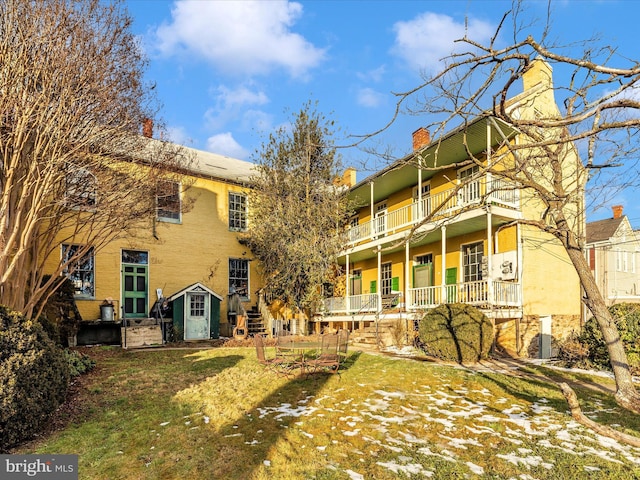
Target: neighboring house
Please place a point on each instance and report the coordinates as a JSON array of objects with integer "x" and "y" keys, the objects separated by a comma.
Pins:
[
  {"x": 189, "y": 254},
  {"x": 472, "y": 251},
  {"x": 613, "y": 250}
]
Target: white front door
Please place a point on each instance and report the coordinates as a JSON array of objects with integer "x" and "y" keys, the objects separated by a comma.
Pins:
[{"x": 196, "y": 316}]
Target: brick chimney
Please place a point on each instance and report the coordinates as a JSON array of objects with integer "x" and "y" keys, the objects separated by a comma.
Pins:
[
  {"x": 147, "y": 128},
  {"x": 617, "y": 211},
  {"x": 421, "y": 137}
]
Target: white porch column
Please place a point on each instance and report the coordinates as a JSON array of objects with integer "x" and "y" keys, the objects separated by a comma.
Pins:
[
  {"x": 489, "y": 258},
  {"x": 419, "y": 212},
  {"x": 372, "y": 228},
  {"x": 407, "y": 274},
  {"x": 443, "y": 273},
  {"x": 347, "y": 286},
  {"x": 379, "y": 279}
]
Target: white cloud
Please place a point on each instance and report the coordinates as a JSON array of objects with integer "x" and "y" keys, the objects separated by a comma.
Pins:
[
  {"x": 368, "y": 97},
  {"x": 225, "y": 144},
  {"x": 257, "y": 119},
  {"x": 374, "y": 75},
  {"x": 178, "y": 135},
  {"x": 240, "y": 37},
  {"x": 231, "y": 104},
  {"x": 425, "y": 40}
]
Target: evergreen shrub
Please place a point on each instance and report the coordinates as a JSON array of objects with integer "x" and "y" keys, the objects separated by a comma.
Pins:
[
  {"x": 456, "y": 332},
  {"x": 595, "y": 354},
  {"x": 34, "y": 376}
]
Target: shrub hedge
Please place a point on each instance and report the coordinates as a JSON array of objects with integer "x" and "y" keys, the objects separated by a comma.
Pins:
[
  {"x": 588, "y": 350},
  {"x": 456, "y": 332},
  {"x": 34, "y": 376}
]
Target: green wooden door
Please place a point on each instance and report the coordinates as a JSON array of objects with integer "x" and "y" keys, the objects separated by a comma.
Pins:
[
  {"x": 451, "y": 279},
  {"x": 135, "y": 290}
]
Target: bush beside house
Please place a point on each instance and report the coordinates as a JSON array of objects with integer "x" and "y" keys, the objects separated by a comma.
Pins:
[
  {"x": 34, "y": 376},
  {"x": 588, "y": 349},
  {"x": 456, "y": 332}
]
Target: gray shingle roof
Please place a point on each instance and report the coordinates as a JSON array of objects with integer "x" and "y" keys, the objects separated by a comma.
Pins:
[
  {"x": 220, "y": 166},
  {"x": 602, "y": 230}
]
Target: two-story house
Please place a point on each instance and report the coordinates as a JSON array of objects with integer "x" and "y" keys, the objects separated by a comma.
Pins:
[
  {"x": 429, "y": 232},
  {"x": 188, "y": 254},
  {"x": 613, "y": 253}
]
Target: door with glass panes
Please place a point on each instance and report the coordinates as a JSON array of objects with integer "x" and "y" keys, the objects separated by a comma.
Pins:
[{"x": 135, "y": 283}]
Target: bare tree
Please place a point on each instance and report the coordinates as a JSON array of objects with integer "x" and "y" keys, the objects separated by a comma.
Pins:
[
  {"x": 552, "y": 153},
  {"x": 73, "y": 167},
  {"x": 296, "y": 207}
]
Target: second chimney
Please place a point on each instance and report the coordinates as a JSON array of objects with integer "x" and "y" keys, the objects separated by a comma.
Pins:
[
  {"x": 617, "y": 211},
  {"x": 147, "y": 128},
  {"x": 421, "y": 137}
]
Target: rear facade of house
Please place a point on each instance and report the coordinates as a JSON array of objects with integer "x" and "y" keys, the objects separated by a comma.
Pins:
[
  {"x": 423, "y": 237},
  {"x": 189, "y": 255}
]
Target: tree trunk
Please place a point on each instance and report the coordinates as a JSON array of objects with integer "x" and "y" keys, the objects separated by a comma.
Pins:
[{"x": 626, "y": 394}]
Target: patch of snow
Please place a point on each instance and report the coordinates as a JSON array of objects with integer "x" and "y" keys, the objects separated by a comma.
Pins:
[{"x": 477, "y": 469}]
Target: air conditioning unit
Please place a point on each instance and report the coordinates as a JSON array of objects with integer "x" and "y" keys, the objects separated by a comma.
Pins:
[
  {"x": 485, "y": 267},
  {"x": 505, "y": 266}
]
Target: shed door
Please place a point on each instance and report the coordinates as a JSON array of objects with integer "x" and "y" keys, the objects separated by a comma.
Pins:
[{"x": 196, "y": 316}]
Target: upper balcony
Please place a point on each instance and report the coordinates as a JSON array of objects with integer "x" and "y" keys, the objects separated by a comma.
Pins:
[{"x": 446, "y": 204}]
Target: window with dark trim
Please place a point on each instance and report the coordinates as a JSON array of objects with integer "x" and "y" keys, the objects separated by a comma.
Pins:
[
  {"x": 80, "y": 270},
  {"x": 168, "y": 204},
  {"x": 239, "y": 277},
  {"x": 80, "y": 188},
  {"x": 472, "y": 261},
  {"x": 237, "y": 211}
]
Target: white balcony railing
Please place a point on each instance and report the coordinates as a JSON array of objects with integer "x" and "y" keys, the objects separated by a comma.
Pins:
[
  {"x": 352, "y": 304},
  {"x": 449, "y": 202},
  {"x": 505, "y": 294}
]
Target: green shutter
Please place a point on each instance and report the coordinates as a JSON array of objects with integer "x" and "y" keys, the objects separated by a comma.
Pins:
[
  {"x": 372, "y": 287},
  {"x": 395, "y": 284}
]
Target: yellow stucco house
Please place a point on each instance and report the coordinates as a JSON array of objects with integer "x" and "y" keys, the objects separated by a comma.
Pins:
[
  {"x": 426, "y": 236},
  {"x": 188, "y": 255}
]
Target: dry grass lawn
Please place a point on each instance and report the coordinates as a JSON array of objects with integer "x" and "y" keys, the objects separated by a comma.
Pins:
[{"x": 217, "y": 413}]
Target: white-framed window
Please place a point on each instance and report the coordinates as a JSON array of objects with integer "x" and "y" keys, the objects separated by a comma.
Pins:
[
  {"x": 239, "y": 277},
  {"x": 472, "y": 261},
  {"x": 80, "y": 188},
  {"x": 469, "y": 185},
  {"x": 386, "y": 280},
  {"x": 197, "y": 305},
  {"x": 168, "y": 202},
  {"x": 380, "y": 217},
  {"x": 425, "y": 190},
  {"x": 237, "y": 212},
  {"x": 80, "y": 269}
]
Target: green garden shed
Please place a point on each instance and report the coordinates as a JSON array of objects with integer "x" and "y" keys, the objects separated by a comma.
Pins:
[{"x": 196, "y": 313}]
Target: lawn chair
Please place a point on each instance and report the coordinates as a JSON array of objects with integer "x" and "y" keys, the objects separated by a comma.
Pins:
[
  {"x": 343, "y": 344},
  {"x": 271, "y": 363},
  {"x": 328, "y": 358}
]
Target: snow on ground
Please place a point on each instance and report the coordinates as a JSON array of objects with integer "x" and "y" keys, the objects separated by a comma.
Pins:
[{"x": 464, "y": 421}]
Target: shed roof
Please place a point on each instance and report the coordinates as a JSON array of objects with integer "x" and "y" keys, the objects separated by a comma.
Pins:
[
  {"x": 603, "y": 230},
  {"x": 194, "y": 286}
]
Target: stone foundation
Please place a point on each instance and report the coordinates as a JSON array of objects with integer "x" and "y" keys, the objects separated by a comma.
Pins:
[{"x": 529, "y": 335}]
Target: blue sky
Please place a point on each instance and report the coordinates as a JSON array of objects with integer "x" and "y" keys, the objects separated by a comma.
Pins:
[{"x": 229, "y": 72}]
